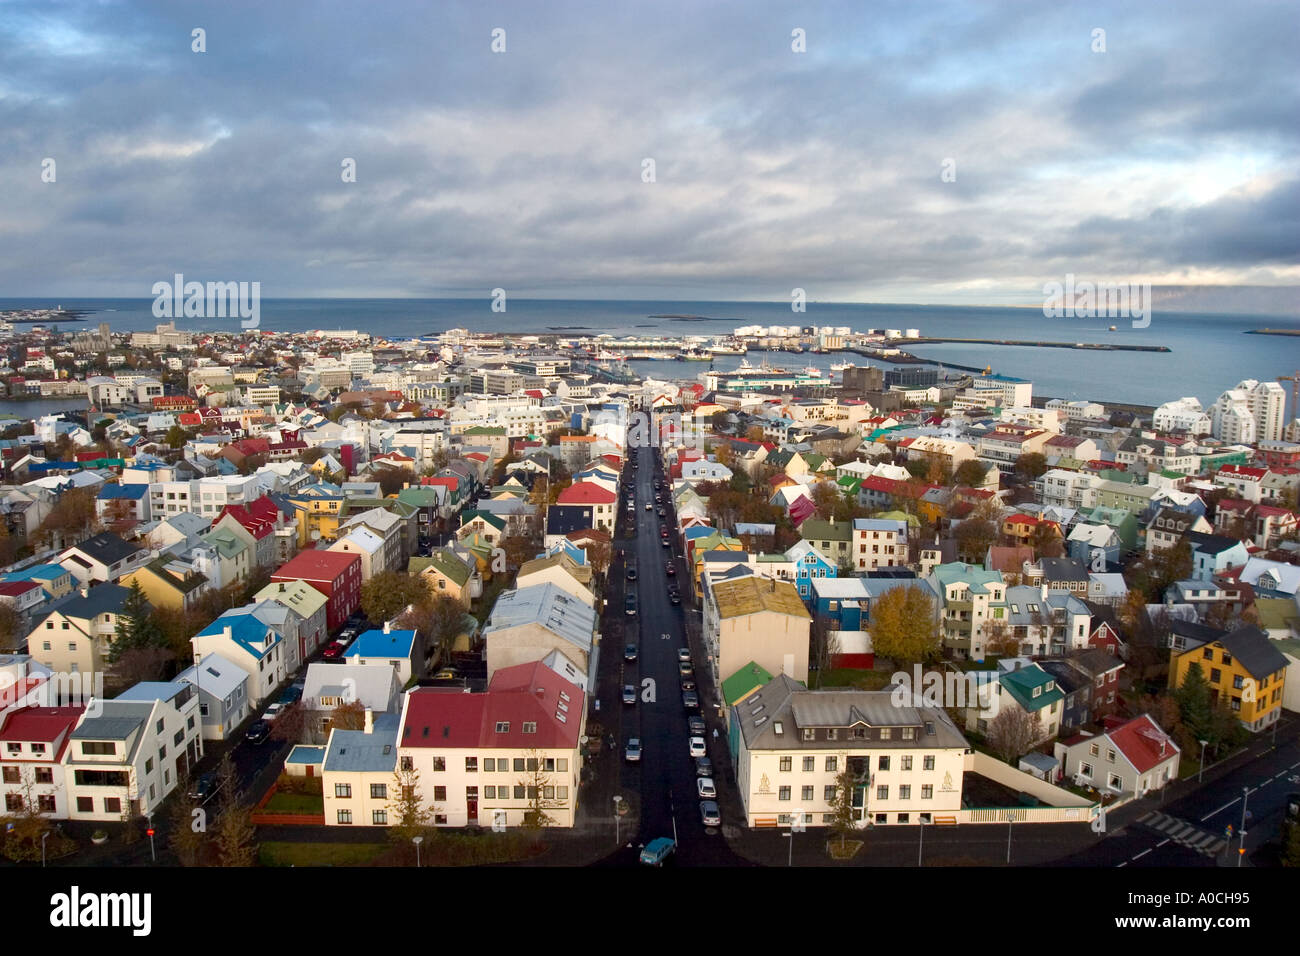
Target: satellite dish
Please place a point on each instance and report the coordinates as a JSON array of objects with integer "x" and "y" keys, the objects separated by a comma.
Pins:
[{"x": 583, "y": 740}]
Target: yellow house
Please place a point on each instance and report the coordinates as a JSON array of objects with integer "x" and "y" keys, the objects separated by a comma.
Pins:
[
  {"x": 1242, "y": 667},
  {"x": 445, "y": 573},
  {"x": 317, "y": 507},
  {"x": 170, "y": 584}
]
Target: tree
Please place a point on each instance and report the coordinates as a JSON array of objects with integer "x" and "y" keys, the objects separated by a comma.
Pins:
[
  {"x": 10, "y": 544},
  {"x": 974, "y": 537},
  {"x": 388, "y": 593},
  {"x": 1002, "y": 640},
  {"x": 844, "y": 819},
  {"x": 539, "y": 791},
  {"x": 1046, "y": 540},
  {"x": 294, "y": 724},
  {"x": 12, "y": 629},
  {"x": 392, "y": 480},
  {"x": 186, "y": 834},
  {"x": 350, "y": 715},
  {"x": 1291, "y": 843},
  {"x": 438, "y": 620},
  {"x": 969, "y": 474},
  {"x": 903, "y": 625},
  {"x": 599, "y": 555},
  {"x": 235, "y": 837},
  {"x": 1013, "y": 731},
  {"x": 409, "y": 816},
  {"x": 1195, "y": 705},
  {"x": 23, "y": 830},
  {"x": 136, "y": 627},
  {"x": 825, "y": 646},
  {"x": 1031, "y": 465},
  {"x": 143, "y": 664},
  {"x": 71, "y": 520}
]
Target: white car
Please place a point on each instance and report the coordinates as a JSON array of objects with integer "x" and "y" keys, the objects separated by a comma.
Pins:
[
  {"x": 697, "y": 747},
  {"x": 705, "y": 787},
  {"x": 273, "y": 711}
]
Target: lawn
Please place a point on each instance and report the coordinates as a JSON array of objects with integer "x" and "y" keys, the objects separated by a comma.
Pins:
[
  {"x": 300, "y": 803},
  {"x": 319, "y": 854},
  {"x": 848, "y": 677}
]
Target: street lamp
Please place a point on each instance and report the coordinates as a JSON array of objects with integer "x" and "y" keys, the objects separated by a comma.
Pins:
[
  {"x": 44, "y": 836},
  {"x": 417, "y": 840},
  {"x": 1241, "y": 851},
  {"x": 617, "y": 801},
  {"x": 790, "y": 836},
  {"x": 1009, "y": 818},
  {"x": 1201, "y": 772},
  {"x": 920, "y": 847}
]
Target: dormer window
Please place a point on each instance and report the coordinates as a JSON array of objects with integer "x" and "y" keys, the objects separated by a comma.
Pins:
[{"x": 809, "y": 734}]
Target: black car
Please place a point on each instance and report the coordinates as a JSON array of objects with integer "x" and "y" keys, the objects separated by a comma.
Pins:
[
  {"x": 291, "y": 694},
  {"x": 258, "y": 733},
  {"x": 691, "y": 699},
  {"x": 629, "y": 604},
  {"x": 631, "y": 574},
  {"x": 204, "y": 788},
  {"x": 629, "y": 652},
  {"x": 703, "y": 767},
  {"x": 670, "y": 569},
  {"x": 675, "y": 597},
  {"x": 696, "y": 726}
]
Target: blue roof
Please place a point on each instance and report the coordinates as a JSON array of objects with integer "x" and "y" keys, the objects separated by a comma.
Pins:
[
  {"x": 375, "y": 643},
  {"x": 245, "y": 629},
  {"x": 132, "y": 492},
  {"x": 306, "y": 755},
  {"x": 39, "y": 572}
]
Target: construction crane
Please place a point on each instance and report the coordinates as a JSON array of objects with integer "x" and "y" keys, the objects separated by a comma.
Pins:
[{"x": 1294, "y": 379}]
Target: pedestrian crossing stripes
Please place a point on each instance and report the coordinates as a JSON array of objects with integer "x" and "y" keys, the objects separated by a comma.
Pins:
[{"x": 1184, "y": 834}]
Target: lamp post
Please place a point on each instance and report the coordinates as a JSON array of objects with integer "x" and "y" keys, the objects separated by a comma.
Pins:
[
  {"x": 1241, "y": 850},
  {"x": 1008, "y": 839},
  {"x": 1201, "y": 772},
  {"x": 152, "y": 853},
  {"x": 617, "y": 801},
  {"x": 790, "y": 836},
  {"x": 417, "y": 840},
  {"x": 44, "y": 836},
  {"x": 920, "y": 846}
]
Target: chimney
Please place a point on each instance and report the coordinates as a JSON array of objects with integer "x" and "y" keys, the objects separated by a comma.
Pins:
[
  {"x": 85, "y": 590},
  {"x": 226, "y": 632},
  {"x": 388, "y": 626},
  {"x": 370, "y": 721}
]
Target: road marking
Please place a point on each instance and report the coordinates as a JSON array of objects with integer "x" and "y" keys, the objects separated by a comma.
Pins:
[
  {"x": 1125, "y": 863},
  {"x": 1220, "y": 810},
  {"x": 1142, "y": 854},
  {"x": 1162, "y": 843}
]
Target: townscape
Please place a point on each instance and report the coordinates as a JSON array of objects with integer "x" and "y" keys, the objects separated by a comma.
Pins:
[{"x": 496, "y": 598}]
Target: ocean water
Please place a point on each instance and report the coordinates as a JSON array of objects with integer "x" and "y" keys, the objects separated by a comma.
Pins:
[{"x": 1209, "y": 353}]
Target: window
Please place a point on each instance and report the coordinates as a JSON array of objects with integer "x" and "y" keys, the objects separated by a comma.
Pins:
[
  {"x": 112, "y": 804},
  {"x": 1085, "y": 770},
  {"x": 519, "y": 764},
  {"x": 93, "y": 748},
  {"x": 440, "y": 819},
  {"x": 927, "y": 791},
  {"x": 12, "y": 775},
  {"x": 519, "y": 792},
  {"x": 786, "y": 764},
  {"x": 1110, "y": 756},
  {"x": 886, "y": 733},
  {"x": 379, "y": 817},
  {"x": 832, "y": 764},
  {"x": 783, "y": 793},
  {"x": 1207, "y": 654},
  {"x": 832, "y": 734},
  {"x": 809, "y": 733},
  {"x": 343, "y": 790},
  {"x": 882, "y": 763},
  {"x": 439, "y": 763},
  {"x": 562, "y": 764},
  {"x": 806, "y": 794},
  {"x": 489, "y": 765},
  {"x": 905, "y": 792},
  {"x": 882, "y": 792},
  {"x": 13, "y": 802},
  {"x": 809, "y": 764},
  {"x": 44, "y": 775},
  {"x": 490, "y": 793},
  {"x": 1237, "y": 682},
  {"x": 927, "y": 762},
  {"x": 1227, "y": 658},
  {"x": 159, "y": 727},
  {"x": 345, "y": 816},
  {"x": 45, "y": 803},
  {"x": 530, "y": 727},
  {"x": 503, "y": 726},
  {"x": 408, "y": 763},
  {"x": 471, "y": 764},
  {"x": 561, "y": 793},
  {"x": 180, "y": 735},
  {"x": 1094, "y": 750},
  {"x": 1215, "y": 675},
  {"x": 379, "y": 791},
  {"x": 828, "y": 793},
  {"x": 905, "y": 763},
  {"x": 85, "y": 804},
  {"x": 439, "y": 794}
]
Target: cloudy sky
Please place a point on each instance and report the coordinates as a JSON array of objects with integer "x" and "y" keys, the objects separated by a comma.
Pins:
[{"x": 1169, "y": 157}]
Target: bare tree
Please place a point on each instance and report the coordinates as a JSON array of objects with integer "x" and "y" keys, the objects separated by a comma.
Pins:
[
  {"x": 826, "y": 646},
  {"x": 539, "y": 791},
  {"x": 1013, "y": 732},
  {"x": 236, "y": 837}
]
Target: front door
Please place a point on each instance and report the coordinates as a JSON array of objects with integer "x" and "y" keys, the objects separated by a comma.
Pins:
[{"x": 471, "y": 805}]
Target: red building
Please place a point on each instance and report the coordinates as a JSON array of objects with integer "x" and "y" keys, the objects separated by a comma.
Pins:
[{"x": 335, "y": 574}]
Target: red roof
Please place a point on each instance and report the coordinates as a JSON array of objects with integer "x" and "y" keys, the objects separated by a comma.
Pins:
[
  {"x": 1140, "y": 741},
  {"x": 316, "y": 565},
  {"x": 259, "y": 527},
  {"x": 448, "y": 718},
  {"x": 1242, "y": 471},
  {"x": 43, "y": 725},
  {"x": 586, "y": 493},
  {"x": 16, "y": 588}
]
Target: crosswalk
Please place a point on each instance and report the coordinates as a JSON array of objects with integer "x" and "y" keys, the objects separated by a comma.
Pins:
[{"x": 1184, "y": 834}]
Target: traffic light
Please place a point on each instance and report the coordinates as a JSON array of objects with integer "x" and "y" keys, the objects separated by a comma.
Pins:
[{"x": 149, "y": 832}]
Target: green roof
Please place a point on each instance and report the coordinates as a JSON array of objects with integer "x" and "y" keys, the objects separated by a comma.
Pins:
[
  {"x": 450, "y": 566},
  {"x": 743, "y": 683},
  {"x": 485, "y": 430},
  {"x": 1020, "y": 684},
  {"x": 816, "y": 528}
]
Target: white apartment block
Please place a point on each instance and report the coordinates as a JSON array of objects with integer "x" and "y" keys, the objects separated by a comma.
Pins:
[
  {"x": 1182, "y": 415},
  {"x": 1077, "y": 410}
]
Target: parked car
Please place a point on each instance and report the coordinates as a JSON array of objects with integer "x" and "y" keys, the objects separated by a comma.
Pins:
[
  {"x": 633, "y": 752},
  {"x": 291, "y": 694},
  {"x": 647, "y": 506},
  {"x": 258, "y": 732},
  {"x": 333, "y": 651},
  {"x": 709, "y": 814},
  {"x": 675, "y": 597},
  {"x": 629, "y": 693},
  {"x": 684, "y": 654},
  {"x": 670, "y": 569},
  {"x": 685, "y": 668},
  {"x": 629, "y": 604},
  {"x": 704, "y": 787},
  {"x": 629, "y": 652},
  {"x": 631, "y": 574},
  {"x": 273, "y": 711},
  {"x": 447, "y": 673},
  {"x": 703, "y": 767},
  {"x": 695, "y": 725},
  {"x": 665, "y": 542},
  {"x": 698, "y": 748},
  {"x": 205, "y": 787},
  {"x": 657, "y": 850},
  {"x": 691, "y": 700},
  {"x": 687, "y": 684},
  {"x": 659, "y": 512}
]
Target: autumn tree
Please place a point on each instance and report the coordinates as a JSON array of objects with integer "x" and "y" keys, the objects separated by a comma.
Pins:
[
  {"x": 295, "y": 724},
  {"x": 1046, "y": 540},
  {"x": 539, "y": 791},
  {"x": 13, "y": 630},
  {"x": 1031, "y": 465},
  {"x": 969, "y": 474},
  {"x": 409, "y": 816},
  {"x": 349, "y": 715},
  {"x": 903, "y": 625},
  {"x": 1013, "y": 732},
  {"x": 186, "y": 832},
  {"x": 388, "y": 593},
  {"x": 437, "y": 620},
  {"x": 235, "y": 837},
  {"x": 844, "y": 817},
  {"x": 1002, "y": 640},
  {"x": 974, "y": 537}
]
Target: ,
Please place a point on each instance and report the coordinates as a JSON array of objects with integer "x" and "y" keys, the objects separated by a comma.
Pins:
[
  {"x": 258, "y": 732},
  {"x": 629, "y": 652},
  {"x": 629, "y": 694},
  {"x": 657, "y": 850}
]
